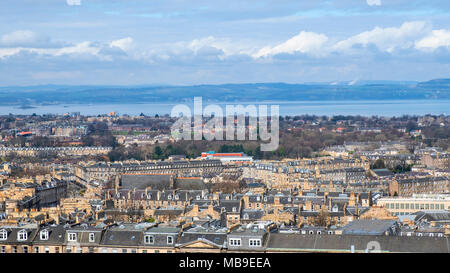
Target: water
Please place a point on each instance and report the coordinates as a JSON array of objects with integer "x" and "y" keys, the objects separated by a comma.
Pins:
[{"x": 387, "y": 108}]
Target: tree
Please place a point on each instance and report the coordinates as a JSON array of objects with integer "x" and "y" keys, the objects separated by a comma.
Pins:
[
  {"x": 379, "y": 164},
  {"x": 323, "y": 219}
]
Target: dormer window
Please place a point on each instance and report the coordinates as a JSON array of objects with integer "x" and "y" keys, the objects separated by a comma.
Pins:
[
  {"x": 177, "y": 197},
  {"x": 254, "y": 242},
  {"x": 72, "y": 237},
  {"x": 169, "y": 197},
  {"x": 3, "y": 235},
  {"x": 149, "y": 196},
  {"x": 169, "y": 240},
  {"x": 149, "y": 239},
  {"x": 198, "y": 197},
  {"x": 234, "y": 209},
  {"x": 91, "y": 237},
  {"x": 44, "y": 234},
  {"x": 22, "y": 235}
]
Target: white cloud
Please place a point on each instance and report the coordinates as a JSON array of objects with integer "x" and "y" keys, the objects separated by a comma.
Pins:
[
  {"x": 227, "y": 46},
  {"x": 373, "y": 2},
  {"x": 387, "y": 39},
  {"x": 304, "y": 42},
  {"x": 23, "y": 38},
  {"x": 437, "y": 38},
  {"x": 73, "y": 2},
  {"x": 124, "y": 44}
]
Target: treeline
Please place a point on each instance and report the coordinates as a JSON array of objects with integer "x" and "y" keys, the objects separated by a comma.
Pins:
[{"x": 298, "y": 144}]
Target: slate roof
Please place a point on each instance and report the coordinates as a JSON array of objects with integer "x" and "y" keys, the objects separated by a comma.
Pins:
[
  {"x": 12, "y": 232},
  {"x": 189, "y": 184},
  {"x": 159, "y": 182},
  {"x": 368, "y": 227},
  {"x": 343, "y": 243},
  {"x": 124, "y": 237},
  {"x": 382, "y": 172},
  {"x": 432, "y": 215},
  {"x": 56, "y": 235}
]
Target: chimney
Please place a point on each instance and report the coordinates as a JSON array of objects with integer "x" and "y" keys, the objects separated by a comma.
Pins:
[
  {"x": 351, "y": 201},
  {"x": 246, "y": 200},
  {"x": 195, "y": 209},
  {"x": 172, "y": 181},
  {"x": 308, "y": 205}
]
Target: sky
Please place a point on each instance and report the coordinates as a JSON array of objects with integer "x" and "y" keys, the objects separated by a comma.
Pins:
[{"x": 179, "y": 42}]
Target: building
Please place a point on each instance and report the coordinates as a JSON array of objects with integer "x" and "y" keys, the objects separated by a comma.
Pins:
[{"x": 415, "y": 203}]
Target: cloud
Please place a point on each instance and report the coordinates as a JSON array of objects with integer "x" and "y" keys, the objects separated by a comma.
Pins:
[
  {"x": 73, "y": 2},
  {"x": 387, "y": 39},
  {"x": 373, "y": 2},
  {"x": 24, "y": 38},
  {"x": 125, "y": 44},
  {"x": 437, "y": 38},
  {"x": 304, "y": 42}
]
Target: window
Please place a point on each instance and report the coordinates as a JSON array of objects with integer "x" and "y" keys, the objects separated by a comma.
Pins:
[
  {"x": 432, "y": 206},
  {"x": 156, "y": 251},
  {"x": 169, "y": 240},
  {"x": 91, "y": 250},
  {"x": 133, "y": 251},
  {"x": 149, "y": 239},
  {"x": 407, "y": 206},
  {"x": 144, "y": 251},
  {"x": 124, "y": 250},
  {"x": 427, "y": 206},
  {"x": 57, "y": 249},
  {"x": 47, "y": 250},
  {"x": 3, "y": 235},
  {"x": 36, "y": 249},
  {"x": 254, "y": 242},
  {"x": 91, "y": 237},
  {"x": 68, "y": 249},
  {"x": 3, "y": 249},
  {"x": 417, "y": 206},
  {"x": 25, "y": 249},
  {"x": 72, "y": 237},
  {"x": 44, "y": 234},
  {"x": 442, "y": 206},
  {"x": 14, "y": 249},
  {"x": 235, "y": 242},
  {"x": 22, "y": 235}
]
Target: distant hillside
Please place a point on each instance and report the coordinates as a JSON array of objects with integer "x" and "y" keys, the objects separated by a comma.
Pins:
[{"x": 57, "y": 94}]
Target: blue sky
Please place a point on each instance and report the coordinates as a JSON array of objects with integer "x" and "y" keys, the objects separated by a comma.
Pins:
[{"x": 132, "y": 42}]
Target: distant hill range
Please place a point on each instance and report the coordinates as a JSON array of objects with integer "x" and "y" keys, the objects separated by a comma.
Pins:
[{"x": 438, "y": 89}]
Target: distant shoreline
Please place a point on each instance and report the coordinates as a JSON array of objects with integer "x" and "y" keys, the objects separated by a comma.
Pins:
[{"x": 386, "y": 108}]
